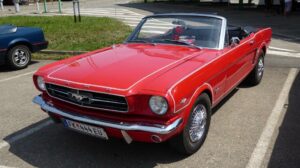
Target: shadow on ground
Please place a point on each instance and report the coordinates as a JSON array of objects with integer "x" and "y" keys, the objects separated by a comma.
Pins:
[
  {"x": 6, "y": 68},
  {"x": 55, "y": 146},
  {"x": 286, "y": 152}
]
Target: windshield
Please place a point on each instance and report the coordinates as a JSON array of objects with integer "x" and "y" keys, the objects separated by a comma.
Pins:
[{"x": 200, "y": 31}]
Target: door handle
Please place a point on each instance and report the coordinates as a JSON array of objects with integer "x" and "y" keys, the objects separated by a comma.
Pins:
[{"x": 251, "y": 42}]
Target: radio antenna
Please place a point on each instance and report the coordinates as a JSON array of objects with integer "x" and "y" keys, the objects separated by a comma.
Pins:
[{"x": 115, "y": 11}]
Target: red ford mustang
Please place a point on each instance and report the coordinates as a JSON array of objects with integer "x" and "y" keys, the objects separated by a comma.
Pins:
[{"x": 159, "y": 85}]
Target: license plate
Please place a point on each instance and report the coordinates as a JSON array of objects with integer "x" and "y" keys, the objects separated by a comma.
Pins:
[{"x": 85, "y": 128}]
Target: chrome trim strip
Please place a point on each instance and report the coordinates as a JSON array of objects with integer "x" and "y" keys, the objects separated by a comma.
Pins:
[
  {"x": 155, "y": 128},
  {"x": 184, "y": 14},
  {"x": 223, "y": 33},
  {"x": 65, "y": 93},
  {"x": 4, "y": 49},
  {"x": 107, "y": 101}
]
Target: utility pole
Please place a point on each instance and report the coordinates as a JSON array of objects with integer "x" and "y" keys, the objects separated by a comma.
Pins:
[
  {"x": 59, "y": 6},
  {"x": 1, "y": 5},
  {"x": 76, "y": 11},
  {"x": 17, "y": 6},
  {"x": 45, "y": 6},
  {"x": 37, "y": 6}
]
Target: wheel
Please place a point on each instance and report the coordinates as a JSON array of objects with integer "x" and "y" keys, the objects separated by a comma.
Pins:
[
  {"x": 196, "y": 129},
  {"x": 257, "y": 73},
  {"x": 19, "y": 57}
]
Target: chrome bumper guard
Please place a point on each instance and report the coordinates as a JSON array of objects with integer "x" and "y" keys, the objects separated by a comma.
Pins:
[{"x": 155, "y": 128}]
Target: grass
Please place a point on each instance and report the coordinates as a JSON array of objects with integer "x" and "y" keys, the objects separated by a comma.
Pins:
[{"x": 63, "y": 34}]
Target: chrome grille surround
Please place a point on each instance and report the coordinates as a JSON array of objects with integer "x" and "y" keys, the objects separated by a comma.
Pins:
[{"x": 88, "y": 99}]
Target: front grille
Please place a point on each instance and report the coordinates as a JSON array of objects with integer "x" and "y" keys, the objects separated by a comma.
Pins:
[{"x": 88, "y": 99}]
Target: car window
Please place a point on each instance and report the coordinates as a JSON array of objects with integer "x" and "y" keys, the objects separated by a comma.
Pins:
[{"x": 5, "y": 29}]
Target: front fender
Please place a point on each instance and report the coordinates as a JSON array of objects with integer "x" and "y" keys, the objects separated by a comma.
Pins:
[
  {"x": 186, "y": 102},
  {"x": 184, "y": 109}
]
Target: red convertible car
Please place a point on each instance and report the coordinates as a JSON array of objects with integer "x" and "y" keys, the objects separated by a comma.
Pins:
[{"x": 159, "y": 85}]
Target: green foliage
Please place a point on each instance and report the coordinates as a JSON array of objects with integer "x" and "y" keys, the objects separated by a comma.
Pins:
[{"x": 63, "y": 34}]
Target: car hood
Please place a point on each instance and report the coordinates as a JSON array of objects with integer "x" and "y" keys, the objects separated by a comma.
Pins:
[{"x": 124, "y": 66}]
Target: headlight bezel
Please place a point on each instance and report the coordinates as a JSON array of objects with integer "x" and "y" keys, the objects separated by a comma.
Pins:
[
  {"x": 158, "y": 105},
  {"x": 40, "y": 82}
]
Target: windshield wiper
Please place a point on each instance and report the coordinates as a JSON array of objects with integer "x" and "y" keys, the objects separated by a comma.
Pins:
[
  {"x": 141, "y": 41},
  {"x": 182, "y": 42}
]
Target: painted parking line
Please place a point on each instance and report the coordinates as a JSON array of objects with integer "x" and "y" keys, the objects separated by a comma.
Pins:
[
  {"x": 263, "y": 143},
  {"x": 1, "y": 166},
  {"x": 17, "y": 76},
  {"x": 24, "y": 134},
  {"x": 281, "y": 49},
  {"x": 284, "y": 53}
]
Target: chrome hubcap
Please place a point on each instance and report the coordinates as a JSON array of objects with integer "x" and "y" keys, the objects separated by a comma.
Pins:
[
  {"x": 20, "y": 57},
  {"x": 198, "y": 124},
  {"x": 260, "y": 69}
]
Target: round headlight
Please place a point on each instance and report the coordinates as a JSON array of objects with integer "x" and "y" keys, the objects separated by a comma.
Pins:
[
  {"x": 41, "y": 83},
  {"x": 158, "y": 105}
]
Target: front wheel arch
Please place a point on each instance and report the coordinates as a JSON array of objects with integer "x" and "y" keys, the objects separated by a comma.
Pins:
[
  {"x": 27, "y": 44},
  {"x": 204, "y": 88},
  {"x": 261, "y": 49},
  {"x": 255, "y": 76},
  {"x": 264, "y": 49}
]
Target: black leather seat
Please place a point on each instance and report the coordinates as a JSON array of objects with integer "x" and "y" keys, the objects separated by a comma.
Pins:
[{"x": 234, "y": 31}]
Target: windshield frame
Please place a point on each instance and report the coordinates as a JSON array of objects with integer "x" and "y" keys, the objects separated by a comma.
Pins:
[{"x": 222, "y": 32}]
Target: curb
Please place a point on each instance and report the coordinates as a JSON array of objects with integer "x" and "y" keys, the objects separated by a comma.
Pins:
[{"x": 62, "y": 52}]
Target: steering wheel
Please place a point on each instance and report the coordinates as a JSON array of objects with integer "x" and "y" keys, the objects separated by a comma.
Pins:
[{"x": 177, "y": 32}]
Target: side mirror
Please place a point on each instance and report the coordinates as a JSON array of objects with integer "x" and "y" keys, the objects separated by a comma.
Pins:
[{"x": 234, "y": 41}]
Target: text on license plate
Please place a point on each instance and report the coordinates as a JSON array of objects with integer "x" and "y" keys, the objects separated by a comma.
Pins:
[{"x": 84, "y": 128}]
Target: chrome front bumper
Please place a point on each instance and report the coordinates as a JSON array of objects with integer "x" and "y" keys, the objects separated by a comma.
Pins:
[{"x": 155, "y": 128}]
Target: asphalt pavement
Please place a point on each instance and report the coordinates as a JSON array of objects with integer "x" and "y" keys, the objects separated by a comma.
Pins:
[{"x": 252, "y": 126}]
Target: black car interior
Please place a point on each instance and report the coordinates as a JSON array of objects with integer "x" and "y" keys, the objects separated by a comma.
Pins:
[{"x": 240, "y": 32}]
